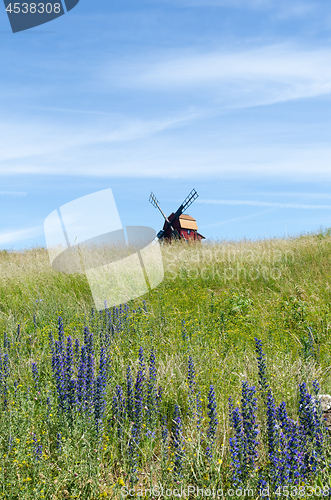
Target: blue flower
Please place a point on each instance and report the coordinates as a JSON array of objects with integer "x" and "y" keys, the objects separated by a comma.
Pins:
[
  {"x": 213, "y": 422},
  {"x": 261, "y": 366},
  {"x": 99, "y": 403},
  {"x": 191, "y": 387},
  {"x": 129, "y": 394},
  {"x": 177, "y": 441},
  {"x": 35, "y": 375},
  {"x": 199, "y": 410},
  {"x": 138, "y": 402},
  {"x": 151, "y": 391},
  {"x": 37, "y": 448}
]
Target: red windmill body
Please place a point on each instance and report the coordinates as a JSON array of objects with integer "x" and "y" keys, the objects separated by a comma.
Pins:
[{"x": 179, "y": 225}]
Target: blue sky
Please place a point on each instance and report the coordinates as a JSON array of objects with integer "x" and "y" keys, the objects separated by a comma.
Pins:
[{"x": 230, "y": 97}]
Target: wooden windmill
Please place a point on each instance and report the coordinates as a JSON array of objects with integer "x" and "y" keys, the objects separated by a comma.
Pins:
[{"x": 179, "y": 225}]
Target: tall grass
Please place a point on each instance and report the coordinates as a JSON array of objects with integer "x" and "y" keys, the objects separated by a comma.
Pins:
[{"x": 189, "y": 348}]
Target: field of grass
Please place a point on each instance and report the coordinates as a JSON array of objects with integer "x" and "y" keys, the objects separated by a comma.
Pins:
[{"x": 111, "y": 404}]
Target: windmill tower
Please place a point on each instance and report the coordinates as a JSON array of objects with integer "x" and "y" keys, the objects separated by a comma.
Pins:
[{"x": 179, "y": 225}]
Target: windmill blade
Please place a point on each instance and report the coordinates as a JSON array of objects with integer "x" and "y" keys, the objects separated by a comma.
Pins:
[
  {"x": 155, "y": 202},
  {"x": 186, "y": 203}
]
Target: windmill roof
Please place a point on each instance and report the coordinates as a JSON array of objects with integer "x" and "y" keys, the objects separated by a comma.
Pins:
[
  {"x": 186, "y": 217},
  {"x": 187, "y": 222}
]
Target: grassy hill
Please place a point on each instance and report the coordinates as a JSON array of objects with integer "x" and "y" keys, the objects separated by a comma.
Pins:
[{"x": 71, "y": 428}]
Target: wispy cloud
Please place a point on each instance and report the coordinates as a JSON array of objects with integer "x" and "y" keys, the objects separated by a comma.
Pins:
[
  {"x": 14, "y": 194},
  {"x": 282, "y": 9},
  {"x": 265, "y": 204},
  {"x": 39, "y": 138},
  {"x": 235, "y": 219},
  {"x": 20, "y": 234},
  {"x": 242, "y": 77}
]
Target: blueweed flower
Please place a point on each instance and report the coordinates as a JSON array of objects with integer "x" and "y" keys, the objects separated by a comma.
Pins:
[
  {"x": 89, "y": 381},
  {"x": 184, "y": 332},
  {"x": 164, "y": 435},
  {"x": 69, "y": 361},
  {"x": 133, "y": 453},
  {"x": 15, "y": 387},
  {"x": 142, "y": 362},
  {"x": 51, "y": 342},
  {"x": 151, "y": 391},
  {"x": 235, "y": 462},
  {"x": 35, "y": 321},
  {"x": 159, "y": 398},
  {"x": 236, "y": 445},
  {"x": 138, "y": 401},
  {"x": 71, "y": 395},
  {"x": 59, "y": 441},
  {"x": 236, "y": 422},
  {"x": 295, "y": 451},
  {"x": 263, "y": 487},
  {"x": 249, "y": 425},
  {"x": 6, "y": 341},
  {"x": 103, "y": 367},
  {"x": 316, "y": 387},
  {"x": 191, "y": 374},
  {"x": 272, "y": 425},
  {"x": 99, "y": 403},
  {"x": 144, "y": 306},
  {"x": 119, "y": 410},
  {"x": 311, "y": 350},
  {"x": 10, "y": 443},
  {"x": 57, "y": 363},
  {"x": 88, "y": 340},
  {"x": 191, "y": 387},
  {"x": 61, "y": 334},
  {"x": 37, "y": 448},
  {"x": 48, "y": 405},
  {"x": 213, "y": 422},
  {"x": 81, "y": 381},
  {"x": 5, "y": 376},
  {"x": 35, "y": 375},
  {"x": 311, "y": 424},
  {"x": 129, "y": 394},
  {"x": 262, "y": 367},
  {"x": 198, "y": 410},
  {"x": 18, "y": 334},
  {"x": 177, "y": 441},
  {"x": 150, "y": 434}
]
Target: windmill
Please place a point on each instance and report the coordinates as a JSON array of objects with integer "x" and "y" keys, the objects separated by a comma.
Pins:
[{"x": 178, "y": 225}]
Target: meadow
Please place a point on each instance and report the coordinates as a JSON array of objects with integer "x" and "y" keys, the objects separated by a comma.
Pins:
[{"x": 133, "y": 401}]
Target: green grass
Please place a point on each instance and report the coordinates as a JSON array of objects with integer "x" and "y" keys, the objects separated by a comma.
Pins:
[{"x": 227, "y": 293}]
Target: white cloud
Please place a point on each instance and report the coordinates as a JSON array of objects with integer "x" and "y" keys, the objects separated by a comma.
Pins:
[
  {"x": 13, "y": 194},
  {"x": 242, "y": 77},
  {"x": 265, "y": 204},
  {"x": 285, "y": 8},
  {"x": 175, "y": 157},
  {"x": 20, "y": 234},
  {"x": 40, "y": 138}
]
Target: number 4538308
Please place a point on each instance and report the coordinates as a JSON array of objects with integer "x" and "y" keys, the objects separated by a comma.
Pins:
[{"x": 34, "y": 8}]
